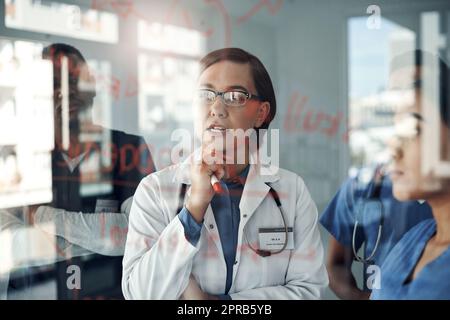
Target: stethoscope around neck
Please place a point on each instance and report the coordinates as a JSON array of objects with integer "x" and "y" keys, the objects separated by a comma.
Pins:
[
  {"x": 374, "y": 195},
  {"x": 260, "y": 252}
]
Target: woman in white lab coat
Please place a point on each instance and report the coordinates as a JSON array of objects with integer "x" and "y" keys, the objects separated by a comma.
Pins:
[{"x": 256, "y": 239}]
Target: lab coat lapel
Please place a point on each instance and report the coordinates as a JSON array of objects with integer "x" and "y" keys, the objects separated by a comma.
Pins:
[{"x": 256, "y": 189}]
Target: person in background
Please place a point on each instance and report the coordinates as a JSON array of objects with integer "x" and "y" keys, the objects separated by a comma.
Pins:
[
  {"x": 365, "y": 202},
  {"x": 74, "y": 224},
  {"x": 418, "y": 267}
]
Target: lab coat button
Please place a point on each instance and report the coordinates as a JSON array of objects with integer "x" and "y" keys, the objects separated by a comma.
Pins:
[
  {"x": 211, "y": 226},
  {"x": 236, "y": 262},
  {"x": 245, "y": 216}
]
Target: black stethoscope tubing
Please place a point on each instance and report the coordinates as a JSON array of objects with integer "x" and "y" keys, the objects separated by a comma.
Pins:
[{"x": 375, "y": 195}]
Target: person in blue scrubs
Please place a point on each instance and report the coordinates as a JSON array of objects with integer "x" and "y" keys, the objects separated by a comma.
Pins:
[
  {"x": 358, "y": 200},
  {"x": 418, "y": 267}
]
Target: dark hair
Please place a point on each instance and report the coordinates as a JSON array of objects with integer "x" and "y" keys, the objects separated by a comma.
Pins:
[
  {"x": 416, "y": 58},
  {"x": 59, "y": 49},
  {"x": 55, "y": 51},
  {"x": 261, "y": 77}
]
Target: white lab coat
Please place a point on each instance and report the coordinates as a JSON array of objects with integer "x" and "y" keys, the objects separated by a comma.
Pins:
[{"x": 159, "y": 260}]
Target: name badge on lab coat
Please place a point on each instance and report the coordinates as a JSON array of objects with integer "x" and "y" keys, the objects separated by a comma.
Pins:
[{"x": 273, "y": 238}]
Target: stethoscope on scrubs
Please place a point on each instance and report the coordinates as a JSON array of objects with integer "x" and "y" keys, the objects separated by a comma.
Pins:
[
  {"x": 276, "y": 198},
  {"x": 373, "y": 196}
]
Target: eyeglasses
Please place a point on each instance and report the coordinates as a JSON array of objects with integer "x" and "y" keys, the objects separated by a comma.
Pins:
[{"x": 234, "y": 98}]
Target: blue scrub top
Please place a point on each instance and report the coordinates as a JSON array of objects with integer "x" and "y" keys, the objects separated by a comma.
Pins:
[
  {"x": 432, "y": 282},
  {"x": 399, "y": 217}
]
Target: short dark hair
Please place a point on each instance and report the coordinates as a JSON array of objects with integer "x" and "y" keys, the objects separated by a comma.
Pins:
[
  {"x": 55, "y": 51},
  {"x": 58, "y": 49},
  {"x": 261, "y": 77},
  {"x": 416, "y": 58}
]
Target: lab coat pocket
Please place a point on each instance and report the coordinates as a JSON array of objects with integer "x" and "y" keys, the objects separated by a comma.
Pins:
[
  {"x": 208, "y": 268},
  {"x": 276, "y": 267}
]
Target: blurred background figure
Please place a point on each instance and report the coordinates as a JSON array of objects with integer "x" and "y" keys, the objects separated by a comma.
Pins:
[
  {"x": 84, "y": 225},
  {"x": 364, "y": 214},
  {"x": 418, "y": 266}
]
